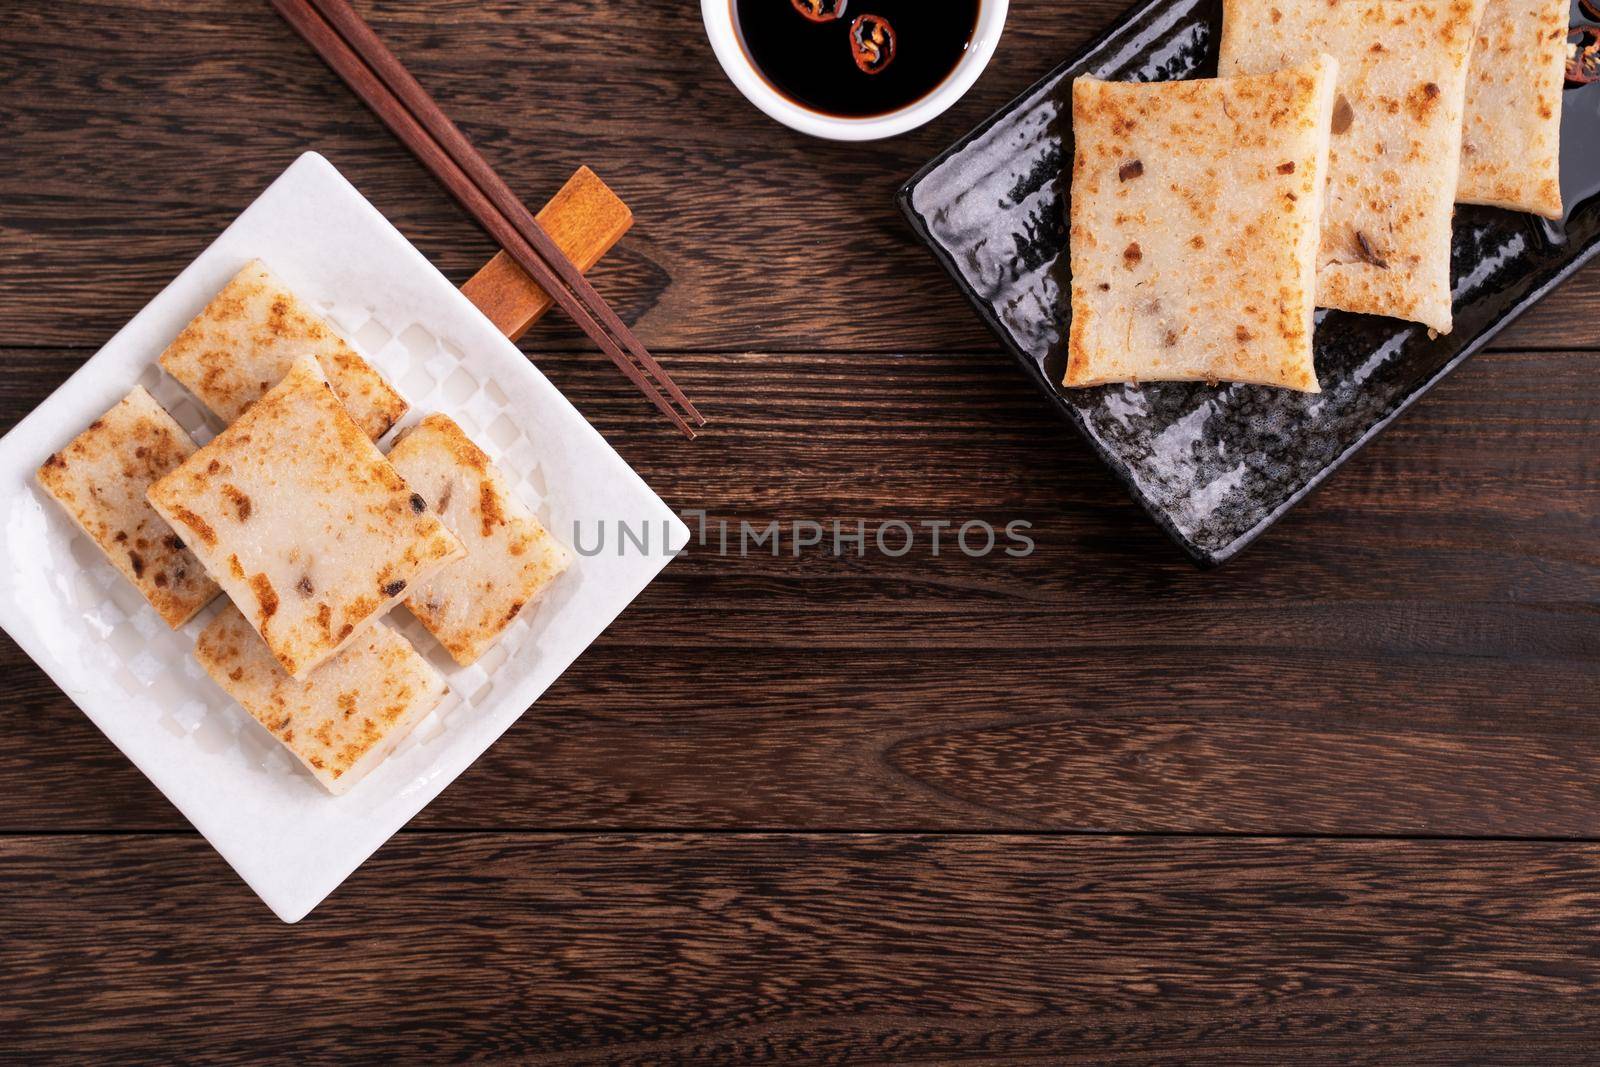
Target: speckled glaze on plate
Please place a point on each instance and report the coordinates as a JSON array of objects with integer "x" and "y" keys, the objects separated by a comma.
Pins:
[{"x": 1217, "y": 466}]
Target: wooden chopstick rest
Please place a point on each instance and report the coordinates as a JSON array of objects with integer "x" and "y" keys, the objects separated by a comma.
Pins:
[{"x": 585, "y": 219}]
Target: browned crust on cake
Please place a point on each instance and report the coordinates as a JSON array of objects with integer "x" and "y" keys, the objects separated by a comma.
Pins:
[
  {"x": 1396, "y": 145},
  {"x": 242, "y": 343},
  {"x": 1193, "y": 226},
  {"x": 352, "y": 709},
  {"x": 273, "y": 497},
  {"x": 99, "y": 479},
  {"x": 1511, "y": 134},
  {"x": 510, "y": 557}
]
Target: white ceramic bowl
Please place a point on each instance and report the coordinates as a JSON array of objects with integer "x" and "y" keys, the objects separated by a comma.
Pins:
[{"x": 718, "y": 15}]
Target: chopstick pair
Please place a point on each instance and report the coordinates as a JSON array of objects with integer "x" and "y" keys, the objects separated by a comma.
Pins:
[{"x": 347, "y": 44}]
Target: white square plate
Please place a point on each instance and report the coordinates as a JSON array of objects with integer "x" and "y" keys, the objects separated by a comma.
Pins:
[{"x": 92, "y": 632}]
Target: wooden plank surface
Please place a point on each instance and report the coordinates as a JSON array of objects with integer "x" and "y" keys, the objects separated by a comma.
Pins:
[
  {"x": 1413, "y": 651},
  {"x": 749, "y": 236},
  {"x": 1335, "y": 802},
  {"x": 760, "y": 949}
]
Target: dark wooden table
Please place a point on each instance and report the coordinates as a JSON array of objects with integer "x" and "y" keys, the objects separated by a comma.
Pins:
[{"x": 1339, "y": 800}]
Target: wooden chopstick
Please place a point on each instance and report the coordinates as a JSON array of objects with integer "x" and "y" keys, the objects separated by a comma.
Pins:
[
  {"x": 339, "y": 36},
  {"x": 366, "y": 44}
]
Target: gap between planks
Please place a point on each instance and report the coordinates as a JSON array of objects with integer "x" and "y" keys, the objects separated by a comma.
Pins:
[{"x": 754, "y": 832}]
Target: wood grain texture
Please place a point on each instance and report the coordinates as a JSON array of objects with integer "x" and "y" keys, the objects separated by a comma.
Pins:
[
  {"x": 858, "y": 949},
  {"x": 1072, "y": 763},
  {"x": 1416, "y": 650},
  {"x": 771, "y": 240},
  {"x": 585, "y": 219}
]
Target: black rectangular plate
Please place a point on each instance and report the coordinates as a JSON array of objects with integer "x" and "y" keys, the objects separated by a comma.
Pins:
[{"x": 1217, "y": 466}]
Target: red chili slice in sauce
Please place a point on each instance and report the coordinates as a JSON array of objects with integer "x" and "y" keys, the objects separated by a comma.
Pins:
[
  {"x": 1583, "y": 66},
  {"x": 820, "y": 10},
  {"x": 872, "y": 43}
]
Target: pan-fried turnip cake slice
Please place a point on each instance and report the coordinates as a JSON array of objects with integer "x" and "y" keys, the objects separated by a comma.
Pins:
[
  {"x": 1195, "y": 208},
  {"x": 101, "y": 478},
  {"x": 303, "y": 522},
  {"x": 1396, "y": 149},
  {"x": 345, "y": 716},
  {"x": 511, "y": 559},
  {"x": 241, "y": 345},
  {"x": 1511, "y": 145}
]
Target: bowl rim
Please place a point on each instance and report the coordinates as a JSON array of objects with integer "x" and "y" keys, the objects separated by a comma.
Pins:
[{"x": 736, "y": 64}]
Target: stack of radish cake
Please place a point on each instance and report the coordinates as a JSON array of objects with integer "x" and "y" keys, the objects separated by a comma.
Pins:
[
  {"x": 311, "y": 531},
  {"x": 1321, "y": 168}
]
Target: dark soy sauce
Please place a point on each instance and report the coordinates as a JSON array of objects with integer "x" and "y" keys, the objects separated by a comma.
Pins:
[{"x": 815, "y": 64}]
